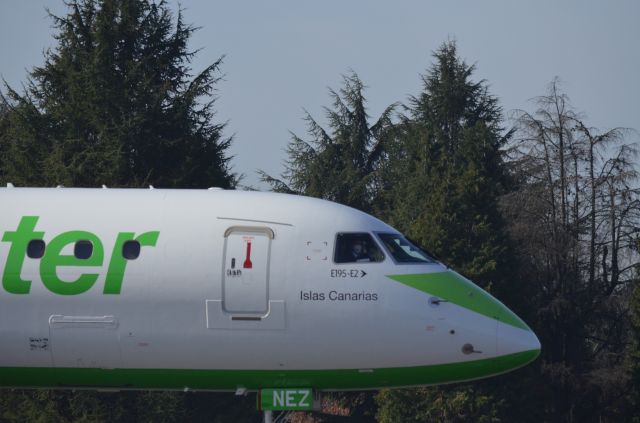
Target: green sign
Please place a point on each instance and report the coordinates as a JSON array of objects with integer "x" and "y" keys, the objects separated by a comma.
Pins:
[{"x": 285, "y": 399}]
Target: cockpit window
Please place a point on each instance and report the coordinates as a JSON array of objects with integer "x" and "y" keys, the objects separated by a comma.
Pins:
[
  {"x": 404, "y": 251},
  {"x": 357, "y": 248}
]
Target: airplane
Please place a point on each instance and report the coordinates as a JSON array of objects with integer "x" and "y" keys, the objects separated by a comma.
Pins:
[{"x": 222, "y": 290}]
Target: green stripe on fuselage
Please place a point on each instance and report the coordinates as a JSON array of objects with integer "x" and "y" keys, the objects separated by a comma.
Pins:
[
  {"x": 455, "y": 289},
  {"x": 230, "y": 380}
]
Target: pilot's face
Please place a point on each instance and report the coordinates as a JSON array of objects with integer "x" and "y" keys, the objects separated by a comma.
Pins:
[{"x": 357, "y": 248}]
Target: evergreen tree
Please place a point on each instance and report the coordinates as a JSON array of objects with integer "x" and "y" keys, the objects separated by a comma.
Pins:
[
  {"x": 115, "y": 103},
  {"x": 446, "y": 171},
  {"x": 441, "y": 185},
  {"x": 338, "y": 164}
]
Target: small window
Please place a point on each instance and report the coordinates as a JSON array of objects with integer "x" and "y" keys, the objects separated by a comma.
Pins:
[
  {"x": 83, "y": 250},
  {"x": 404, "y": 251},
  {"x": 35, "y": 249},
  {"x": 357, "y": 248},
  {"x": 131, "y": 250}
]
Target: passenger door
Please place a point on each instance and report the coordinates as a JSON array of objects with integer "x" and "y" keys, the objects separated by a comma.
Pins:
[{"x": 247, "y": 254}]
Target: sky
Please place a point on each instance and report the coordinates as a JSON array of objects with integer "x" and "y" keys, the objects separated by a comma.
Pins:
[{"x": 282, "y": 57}]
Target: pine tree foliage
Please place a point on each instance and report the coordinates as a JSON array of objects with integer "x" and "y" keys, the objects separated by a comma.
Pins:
[
  {"x": 465, "y": 404},
  {"x": 115, "y": 103},
  {"x": 56, "y": 406},
  {"x": 338, "y": 164},
  {"x": 441, "y": 184},
  {"x": 445, "y": 170}
]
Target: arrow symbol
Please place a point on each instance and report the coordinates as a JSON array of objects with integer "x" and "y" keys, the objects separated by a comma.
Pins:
[{"x": 363, "y": 274}]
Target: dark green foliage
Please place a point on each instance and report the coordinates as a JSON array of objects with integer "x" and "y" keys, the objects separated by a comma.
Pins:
[
  {"x": 446, "y": 173},
  {"x": 24, "y": 144},
  {"x": 115, "y": 104},
  {"x": 441, "y": 185},
  {"x": 86, "y": 406},
  {"x": 446, "y": 405},
  {"x": 338, "y": 164}
]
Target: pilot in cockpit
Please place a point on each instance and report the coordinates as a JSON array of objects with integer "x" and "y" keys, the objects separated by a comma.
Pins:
[{"x": 359, "y": 251}]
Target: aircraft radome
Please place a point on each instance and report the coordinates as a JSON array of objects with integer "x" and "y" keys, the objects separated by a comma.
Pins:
[{"x": 233, "y": 291}]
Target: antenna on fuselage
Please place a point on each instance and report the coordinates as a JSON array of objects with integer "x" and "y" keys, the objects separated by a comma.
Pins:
[{"x": 10, "y": 185}]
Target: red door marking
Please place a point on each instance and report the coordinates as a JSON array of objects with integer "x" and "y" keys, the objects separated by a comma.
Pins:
[{"x": 247, "y": 262}]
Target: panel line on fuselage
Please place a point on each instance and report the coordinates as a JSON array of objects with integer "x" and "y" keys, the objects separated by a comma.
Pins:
[{"x": 255, "y": 221}]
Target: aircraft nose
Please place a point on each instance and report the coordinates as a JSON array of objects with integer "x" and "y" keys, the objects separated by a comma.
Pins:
[
  {"x": 520, "y": 343},
  {"x": 516, "y": 344},
  {"x": 514, "y": 335}
]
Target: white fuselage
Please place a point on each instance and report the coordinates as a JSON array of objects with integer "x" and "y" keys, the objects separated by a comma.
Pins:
[{"x": 202, "y": 298}]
